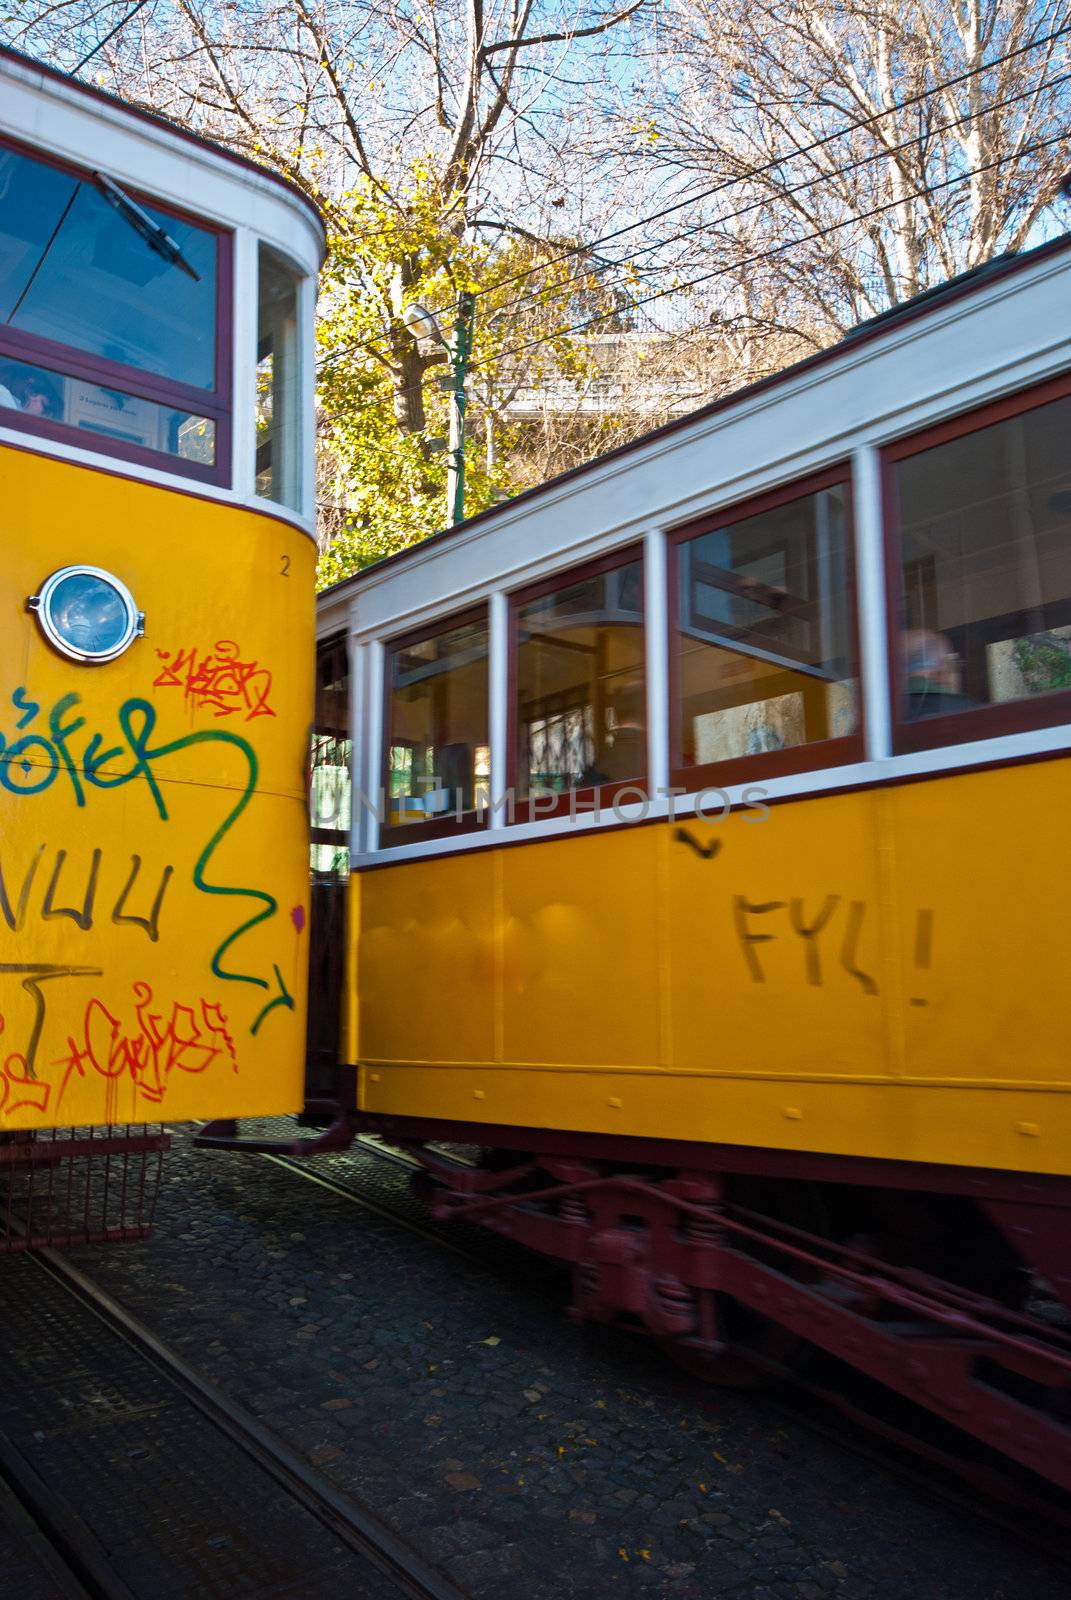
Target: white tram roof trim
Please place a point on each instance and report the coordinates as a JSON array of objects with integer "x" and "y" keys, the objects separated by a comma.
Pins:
[
  {"x": 992, "y": 335},
  {"x": 82, "y": 124}
]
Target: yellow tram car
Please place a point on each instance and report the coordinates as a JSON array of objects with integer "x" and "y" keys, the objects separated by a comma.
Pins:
[
  {"x": 706, "y": 832},
  {"x": 157, "y": 501}
]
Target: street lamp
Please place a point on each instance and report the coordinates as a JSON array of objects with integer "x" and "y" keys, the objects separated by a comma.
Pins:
[{"x": 420, "y": 322}]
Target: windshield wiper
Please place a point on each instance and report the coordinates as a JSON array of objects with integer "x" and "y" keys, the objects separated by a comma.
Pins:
[{"x": 142, "y": 223}]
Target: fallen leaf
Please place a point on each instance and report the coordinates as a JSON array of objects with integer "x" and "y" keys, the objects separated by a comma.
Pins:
[
  {"x": 370, "y": 1366},
  {"x": 340, "y": 1404},
  {"x": 494, "y": 1339},
  {"x": 462, "y": 1480},
  {"x": 623, "y": 1554},
  {"x": 533, "y": 1395}
]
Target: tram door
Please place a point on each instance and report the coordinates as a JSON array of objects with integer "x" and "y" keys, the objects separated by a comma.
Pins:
[{"x": 329, "y": 802}]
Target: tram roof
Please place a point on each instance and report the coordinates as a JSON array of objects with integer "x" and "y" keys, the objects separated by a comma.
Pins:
[
  {"x": 920, "y": 305},
  {"x": 142, "y": 113}
]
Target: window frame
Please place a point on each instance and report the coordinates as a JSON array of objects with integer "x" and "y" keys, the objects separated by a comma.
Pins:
[
  {"x": 68, "y": 361},
  {"x": 979, "y": 722},
  {"x": 476, "y": 821},
  {"x": 579, "y": 799},
  {"x": 810, "y": 757}
]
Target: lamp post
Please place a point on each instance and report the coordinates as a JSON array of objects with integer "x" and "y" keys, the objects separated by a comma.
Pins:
[{"x": 423, "y": 325}]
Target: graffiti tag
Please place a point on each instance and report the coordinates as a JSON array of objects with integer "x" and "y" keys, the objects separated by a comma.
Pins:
[{"x": 219, "y": 681}]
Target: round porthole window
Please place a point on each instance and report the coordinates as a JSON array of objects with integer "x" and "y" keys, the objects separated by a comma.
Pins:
[{"x": 87, "y": 614}]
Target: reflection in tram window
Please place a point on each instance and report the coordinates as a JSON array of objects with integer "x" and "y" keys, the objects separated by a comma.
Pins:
[
  {"x": 580, "y": 706},
  {"x": 764, "y": 651},
  {"x": 278, "y": 382},
  {"x": 35, "y": 392},
  {"x": 985, "y": 521},
  {"x": 74, "y": 270},
  {"x": 330, "y": 790},
  {"x": 437, "y": 725}
]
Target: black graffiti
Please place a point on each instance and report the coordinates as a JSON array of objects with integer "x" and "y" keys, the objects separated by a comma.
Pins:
[
  {"x": 84, "y": 916},
  {"x": 810, "y": 933},
  {"x": 850, "y": 946},
  {"x": 749, "y": 937},
  {"x": 64, "y": 884},
  {"x": 707, "y": 851},
  {"x": 742, "y": 909},
  {"x": 33, "y": 976}
]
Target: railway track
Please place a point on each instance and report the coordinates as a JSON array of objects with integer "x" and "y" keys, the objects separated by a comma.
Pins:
[
  {"x": 191, "y": 1497},
  {"x": 832, "y": 1404}
]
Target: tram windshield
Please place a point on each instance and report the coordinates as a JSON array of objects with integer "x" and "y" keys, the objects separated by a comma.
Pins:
[{"x": 74, "y": 270}]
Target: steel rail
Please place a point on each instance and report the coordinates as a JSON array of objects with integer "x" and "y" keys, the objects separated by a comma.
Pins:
[{"x": 353, "y": 1524}]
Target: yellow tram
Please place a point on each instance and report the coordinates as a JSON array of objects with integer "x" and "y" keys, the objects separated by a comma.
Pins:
[
  {"x": 707, "y": 861},
  {"x": 157, "y": 501}
]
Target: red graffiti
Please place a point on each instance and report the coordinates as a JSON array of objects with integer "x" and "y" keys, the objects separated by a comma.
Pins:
[
  {"x": 191, "y": 1040},
  {"x": 15, "y": 1080},
  {"x": 218, "y": 679}
]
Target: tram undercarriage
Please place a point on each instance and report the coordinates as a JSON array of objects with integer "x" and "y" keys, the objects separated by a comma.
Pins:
[{"x": 741, "y": 1275}]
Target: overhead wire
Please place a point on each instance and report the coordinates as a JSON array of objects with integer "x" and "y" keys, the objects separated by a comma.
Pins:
[
  {"x": 757, "y": 171},
  {"x": 119, "y": 26},
  {"x": 564, "y": 288},
  {"x": 766, "y": 255},
  {"x": 791, "y": 154}
]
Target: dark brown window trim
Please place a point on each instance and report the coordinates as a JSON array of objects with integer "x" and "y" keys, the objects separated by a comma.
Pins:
[
  {"x": 256, "y": 506},
  {"x": 391, "y": 834},
  {"x": 101, "y": 444},
  {"x": 797, "y": 758},
  {"x": 582, "y": 799},
  {"x": 68, "y": 361},
  {"x": 562, "y": 577},
  {"x": 980, "y": 722},
  {"x": 437, "y": 827},
  {"x": 630, "y": 791}
]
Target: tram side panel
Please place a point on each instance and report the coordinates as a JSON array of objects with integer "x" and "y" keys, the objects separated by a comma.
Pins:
[
  {"x": 153, "y": 834},
  {"x": 871, "y": 974}
]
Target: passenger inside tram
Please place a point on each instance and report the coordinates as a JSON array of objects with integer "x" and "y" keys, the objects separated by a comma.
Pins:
[{"x": 933, "y": 674}]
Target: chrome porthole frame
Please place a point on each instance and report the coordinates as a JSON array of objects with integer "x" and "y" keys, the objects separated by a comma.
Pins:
[{"x": 42, "y": 605}]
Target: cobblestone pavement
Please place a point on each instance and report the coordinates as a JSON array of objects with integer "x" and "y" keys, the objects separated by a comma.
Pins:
[{"x": 526, "y": 1457}]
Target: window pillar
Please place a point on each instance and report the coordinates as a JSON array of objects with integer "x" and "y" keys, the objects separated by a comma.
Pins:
[
  {"x": 499, "y": 709},
  {"x": 871, "y": 590},
  {"x": 244, "y": 365},
  {"x": 656, "y": 616}
]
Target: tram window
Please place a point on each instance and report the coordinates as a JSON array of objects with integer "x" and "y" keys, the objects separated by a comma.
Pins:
[
  {"x": 74, "y": 270},
  {"x": 278, "y": 382},
  {"x": 330, "y": 789},
  {"x": 985, "y": 551},
  {"x": 36, "y": 392},
  {"x": 765, "y": 661},
  {"x": 580, "y": 709},
  {"x": 438, "y": 766}
]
